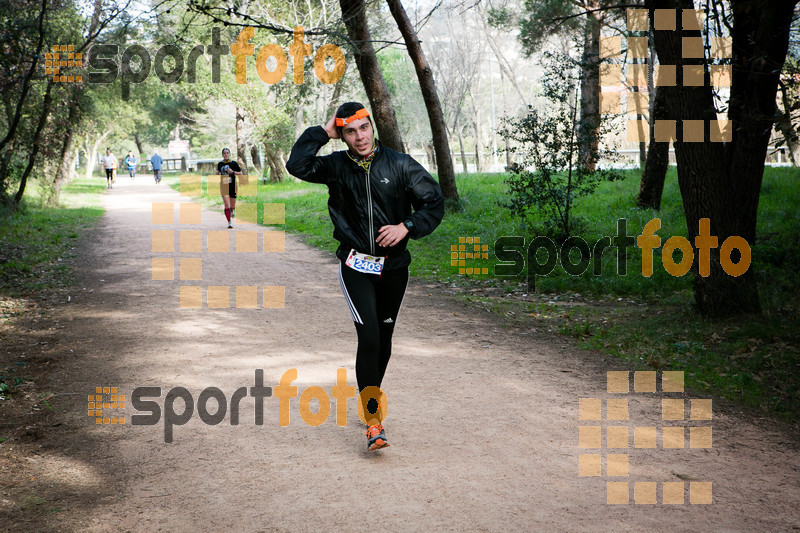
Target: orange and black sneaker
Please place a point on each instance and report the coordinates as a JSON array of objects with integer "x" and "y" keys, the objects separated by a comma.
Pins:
[{"x": 376, "y": 438}]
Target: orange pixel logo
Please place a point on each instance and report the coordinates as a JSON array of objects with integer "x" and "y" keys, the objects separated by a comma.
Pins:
[
  {"x": 469, "y": 248},
  {"x": 98, "y": 404},
  {"x": 63, "y": 56},
  {"x": 617, "y": 441},
  {"x": 633, "y": 82},
  {"x": 199, "y": 242}
]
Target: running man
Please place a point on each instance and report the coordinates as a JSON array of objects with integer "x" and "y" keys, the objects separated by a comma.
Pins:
[
  {"x": 372, "y": 190},
  {"x": 110, "y": 164},
  {"x": 156, "y": 161},
  {"x": 228, "y": 170}
]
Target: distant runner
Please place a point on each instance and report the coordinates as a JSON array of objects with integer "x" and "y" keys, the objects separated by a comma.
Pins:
[
  {"x": 110, "y": 164},
  {"x": 130, "y": 161},
  {"x": 156, "y": 161},
  {"x": 228, "y": 170}
]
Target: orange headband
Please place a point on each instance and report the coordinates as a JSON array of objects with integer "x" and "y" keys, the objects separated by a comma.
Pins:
[{"x": 361, "y": 113}]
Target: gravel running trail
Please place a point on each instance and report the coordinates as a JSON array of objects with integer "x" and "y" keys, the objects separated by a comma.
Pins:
[{"x": 483, "y": 420}]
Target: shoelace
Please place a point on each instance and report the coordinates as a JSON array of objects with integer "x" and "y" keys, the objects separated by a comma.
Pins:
[{"x": 374, "y": 431}]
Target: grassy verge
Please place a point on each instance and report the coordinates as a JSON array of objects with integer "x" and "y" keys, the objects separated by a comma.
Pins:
[
  {"x": 648, "y": 322},
  {"x": 36, "y": 241},
  {"x": 37, "y": 244},
  {"x": 37, "y": 249}
]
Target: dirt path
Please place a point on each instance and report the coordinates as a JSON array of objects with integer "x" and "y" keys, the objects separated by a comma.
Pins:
[{"x": 483, "y": 421}]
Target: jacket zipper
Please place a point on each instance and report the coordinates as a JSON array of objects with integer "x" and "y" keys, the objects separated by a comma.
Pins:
[{"x": 369, "y": 207}]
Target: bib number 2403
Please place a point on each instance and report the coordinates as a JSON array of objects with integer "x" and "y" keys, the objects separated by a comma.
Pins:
[{"x": 367, "y": 264}]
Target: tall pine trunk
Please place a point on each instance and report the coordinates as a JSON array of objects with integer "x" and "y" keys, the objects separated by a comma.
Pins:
[
  {"x": 44, "y": 114},
  {"x": 65, "y": 156},
  {"x": 476, "y": 125},
  {"x": 655, "y": 168},
  {"x": 355, "y": 19},
  {"x": 461, "y": 147},
  {"x": 427, "y": 85},
  {"x": 589, "y": 131}
]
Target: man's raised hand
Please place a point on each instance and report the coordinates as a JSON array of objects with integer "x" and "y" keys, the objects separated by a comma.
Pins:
[{"x": 330, "y": 128}]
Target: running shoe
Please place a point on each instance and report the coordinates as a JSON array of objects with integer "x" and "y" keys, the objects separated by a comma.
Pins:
[
  {"x": 376, "y": 438},
  {"x": 230, "y": 225}
]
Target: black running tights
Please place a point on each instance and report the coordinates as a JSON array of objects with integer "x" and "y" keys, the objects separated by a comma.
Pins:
[{"x": 374, "y": 303}]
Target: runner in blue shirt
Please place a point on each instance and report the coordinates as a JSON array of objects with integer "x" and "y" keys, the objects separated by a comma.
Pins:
[
  {"x": 130, "y": 160},
  {"x": 156, "y": 161}
]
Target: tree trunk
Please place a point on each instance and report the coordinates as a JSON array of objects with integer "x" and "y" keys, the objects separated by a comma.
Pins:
[
  {"x": 26, "y": 82},
  {"x": 722, "y": 181},
  {"x": 36, "y": 140},
  {"x": 589, "y": 131},
  {"x": 255, "y": 159},
  {"x": 63, "y": 171},
  {"x": 4, "y": 165},
  {"x": 505, "y": 112},
  {"x": 505, "y": 67},
  {"x": 641, "y": 115},
  {"x": 355, "y": 19},
  {"x": 138, "y": 146},
  {"x": 461, "y": 146},
  {"x": 785, "y": 126},
  {"x": 241, "y": 152},
  {"x": 429, "y": 152},
  {"x": 476, "y": 124},
  {"x": 654, "y": 170},
  {"x": 276, "y": 165},
  {"x": 73, "y": 165},
  {"x": 91, "y": 159},
  {"x": 93, "y": 155}
]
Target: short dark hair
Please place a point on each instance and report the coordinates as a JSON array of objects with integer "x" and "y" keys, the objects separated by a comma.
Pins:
[{"x": 348, "y": 109}]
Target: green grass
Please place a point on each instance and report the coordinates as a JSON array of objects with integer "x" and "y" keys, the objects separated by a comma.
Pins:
[
  {"x": 37, "y": 241},
  {"x": 647, "y": 321}
]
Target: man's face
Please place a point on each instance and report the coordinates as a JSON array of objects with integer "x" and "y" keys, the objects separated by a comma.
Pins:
[
  {"x": 226, "y": 154},
  {"x": 358, "y": 136},
  {"x": 108, "y": 152}
]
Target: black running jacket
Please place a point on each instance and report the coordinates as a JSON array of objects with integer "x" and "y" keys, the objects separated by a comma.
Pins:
[{"x": 361, "y": 202}]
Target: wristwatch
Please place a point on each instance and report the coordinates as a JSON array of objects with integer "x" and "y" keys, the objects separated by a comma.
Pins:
[{"x": 409, "y": 224}]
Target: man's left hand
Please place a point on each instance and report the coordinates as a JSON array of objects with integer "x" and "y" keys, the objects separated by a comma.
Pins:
[{"x": 391, "y": 235}]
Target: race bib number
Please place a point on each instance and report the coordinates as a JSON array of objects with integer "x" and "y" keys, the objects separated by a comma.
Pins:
[{"x": 365, "y": 263}]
